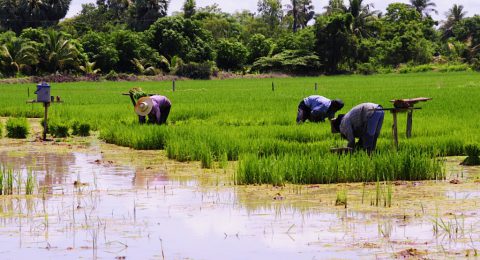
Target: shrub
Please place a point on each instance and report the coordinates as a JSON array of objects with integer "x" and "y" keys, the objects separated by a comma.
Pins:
[
  {"x": 366, "y": 68},
  {"x": 195, "y": 70},
  {"x": 112, "y": 75},
  {"x": 293, "y": 62},
  {"x": 17, "y": 128}
]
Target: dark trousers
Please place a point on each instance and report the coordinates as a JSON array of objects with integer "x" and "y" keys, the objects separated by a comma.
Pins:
[
  {"x": 303, "y": 112},
  {"x": 372, "y": 130},
  {"x": 164, "y": 112}
]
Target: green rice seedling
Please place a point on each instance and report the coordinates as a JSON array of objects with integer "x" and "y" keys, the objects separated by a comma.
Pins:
[
  {"x": 2, "y": 175},
  {"x": 473, "y": 153},
  {"x": 223, "y": 161},
  {"x": 1, "y": 130},
  {"x": 389, "y": 195},
  {"x": 58, "y": 129},
  {"x": 30, "y": 183},
  {"x": 341, "y": 198},
  {"x": 206, "y": 158},
  {"x": 80, "y": 129},
  {"x": 17, "y": 128},
  {"x": 8, "y": 184},
  {"x": 84, "y": 129}
]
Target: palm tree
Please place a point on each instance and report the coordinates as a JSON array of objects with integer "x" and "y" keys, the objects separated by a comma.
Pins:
[
  {"x": 59, "y": 52},
  {"x": 17, "y": 55},
  {"x": 335, "y": 6},
  {"x": 363, "y": 17},
  {"x": 454, "y": 15},
  {"x": 89, "y": 68},
  {"x": 302, "y": 12},
  {"x": 424, "y": 6}
]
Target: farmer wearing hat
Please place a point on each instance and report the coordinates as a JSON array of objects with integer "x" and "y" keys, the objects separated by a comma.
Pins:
[
  {"x": 156, "y": 107},
  {"x": 364, "y": 122},
  {"x": 316, "y": 108}
]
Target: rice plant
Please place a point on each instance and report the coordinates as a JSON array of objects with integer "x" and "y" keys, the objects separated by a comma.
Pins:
[
  {"x": 80, "y": 129},
  {"x": 341, "y": 198},
  {"x": 17, "y": 128},
  {"x": 473, "y": 153},
  {"x": 58, "y": 129}
]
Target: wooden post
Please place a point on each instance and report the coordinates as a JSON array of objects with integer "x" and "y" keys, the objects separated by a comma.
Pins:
[
  {"x": 173, "y": 85},
  {"x": 394, "y": 128},
  {"x": 45, "y": 122},
  {"x": 409, "y": 123},
  {"x": 273, "y": 86},
  {"x": 316, "y": 86}
]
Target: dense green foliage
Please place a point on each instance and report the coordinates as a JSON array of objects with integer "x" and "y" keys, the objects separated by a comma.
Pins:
[
  {"x": 215, "y": 121},
  {"x": 17, "y": 128},
  {"x": 138, "y": 37}
]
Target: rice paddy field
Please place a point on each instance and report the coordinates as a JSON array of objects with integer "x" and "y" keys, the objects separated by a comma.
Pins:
[{"x": 232, "y": 167}]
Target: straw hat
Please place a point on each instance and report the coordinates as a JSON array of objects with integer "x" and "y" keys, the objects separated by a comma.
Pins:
[{"x": 144, "y": 106}]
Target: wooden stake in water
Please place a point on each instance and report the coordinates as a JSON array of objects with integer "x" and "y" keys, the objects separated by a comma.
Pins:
[
  {"x": 273, "y": 86},
  {"x": 173, "y": 85},
  {"x": 316, "y": 86}
]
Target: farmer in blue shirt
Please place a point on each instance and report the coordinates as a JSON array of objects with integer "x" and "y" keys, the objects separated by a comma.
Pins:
[
  {"x": 364, "y": 122},
  {"x": 316, "y": 108}
]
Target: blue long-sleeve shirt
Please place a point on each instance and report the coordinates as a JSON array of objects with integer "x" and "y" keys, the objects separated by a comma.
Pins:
[{"x": 319, "y": 106}]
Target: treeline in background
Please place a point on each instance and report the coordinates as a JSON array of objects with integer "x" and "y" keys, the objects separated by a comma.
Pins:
[{"x": 121, "y": 37}]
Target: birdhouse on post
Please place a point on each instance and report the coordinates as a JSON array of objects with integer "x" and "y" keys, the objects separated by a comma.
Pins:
[
  {"x": 43, "y": 92},
  {"x": 43, "y": 97}
]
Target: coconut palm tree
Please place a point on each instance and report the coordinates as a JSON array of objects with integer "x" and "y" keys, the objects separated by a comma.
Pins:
[
  {"x": 302, "y": 12},
  {"x": 335, "y": 6},
  {"x": 363, "y": 16},
  {"x": 454, "y": 15},
  {"x": 17, "y": 55},
  {"x": 424, "y": 6},
  {"x": 58, "y": 52}
]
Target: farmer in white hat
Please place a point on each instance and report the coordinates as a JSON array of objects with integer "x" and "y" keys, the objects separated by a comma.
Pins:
[{"x": 156, "y": 107}]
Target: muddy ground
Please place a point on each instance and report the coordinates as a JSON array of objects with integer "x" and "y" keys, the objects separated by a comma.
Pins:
[{"x": 95, "y": 200}]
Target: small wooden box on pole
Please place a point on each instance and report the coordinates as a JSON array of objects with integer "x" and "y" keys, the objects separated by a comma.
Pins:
[{"x": 43, "y": 97}]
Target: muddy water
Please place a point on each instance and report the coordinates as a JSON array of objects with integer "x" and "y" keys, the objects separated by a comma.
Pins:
[{"x": 94, "y": 200}]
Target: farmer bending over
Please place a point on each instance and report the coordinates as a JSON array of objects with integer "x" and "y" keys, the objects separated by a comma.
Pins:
[
  {"x": 364, "y": 122},
  {"x": 156, "y": 107},
  {"x": 316, "y": 108}
]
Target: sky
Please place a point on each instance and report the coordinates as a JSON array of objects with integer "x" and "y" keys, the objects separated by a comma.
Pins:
[{"x": 471, "y": 6}]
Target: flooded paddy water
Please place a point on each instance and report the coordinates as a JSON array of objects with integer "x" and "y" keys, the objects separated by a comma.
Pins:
[{"x": 94, "y": 200}]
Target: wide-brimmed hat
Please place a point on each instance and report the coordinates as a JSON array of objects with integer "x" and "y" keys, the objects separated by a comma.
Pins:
[{"x": 144, "y": 106}]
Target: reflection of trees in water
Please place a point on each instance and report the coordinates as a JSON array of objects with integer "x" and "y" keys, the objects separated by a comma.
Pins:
[{"x": 50, "y": 168}]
